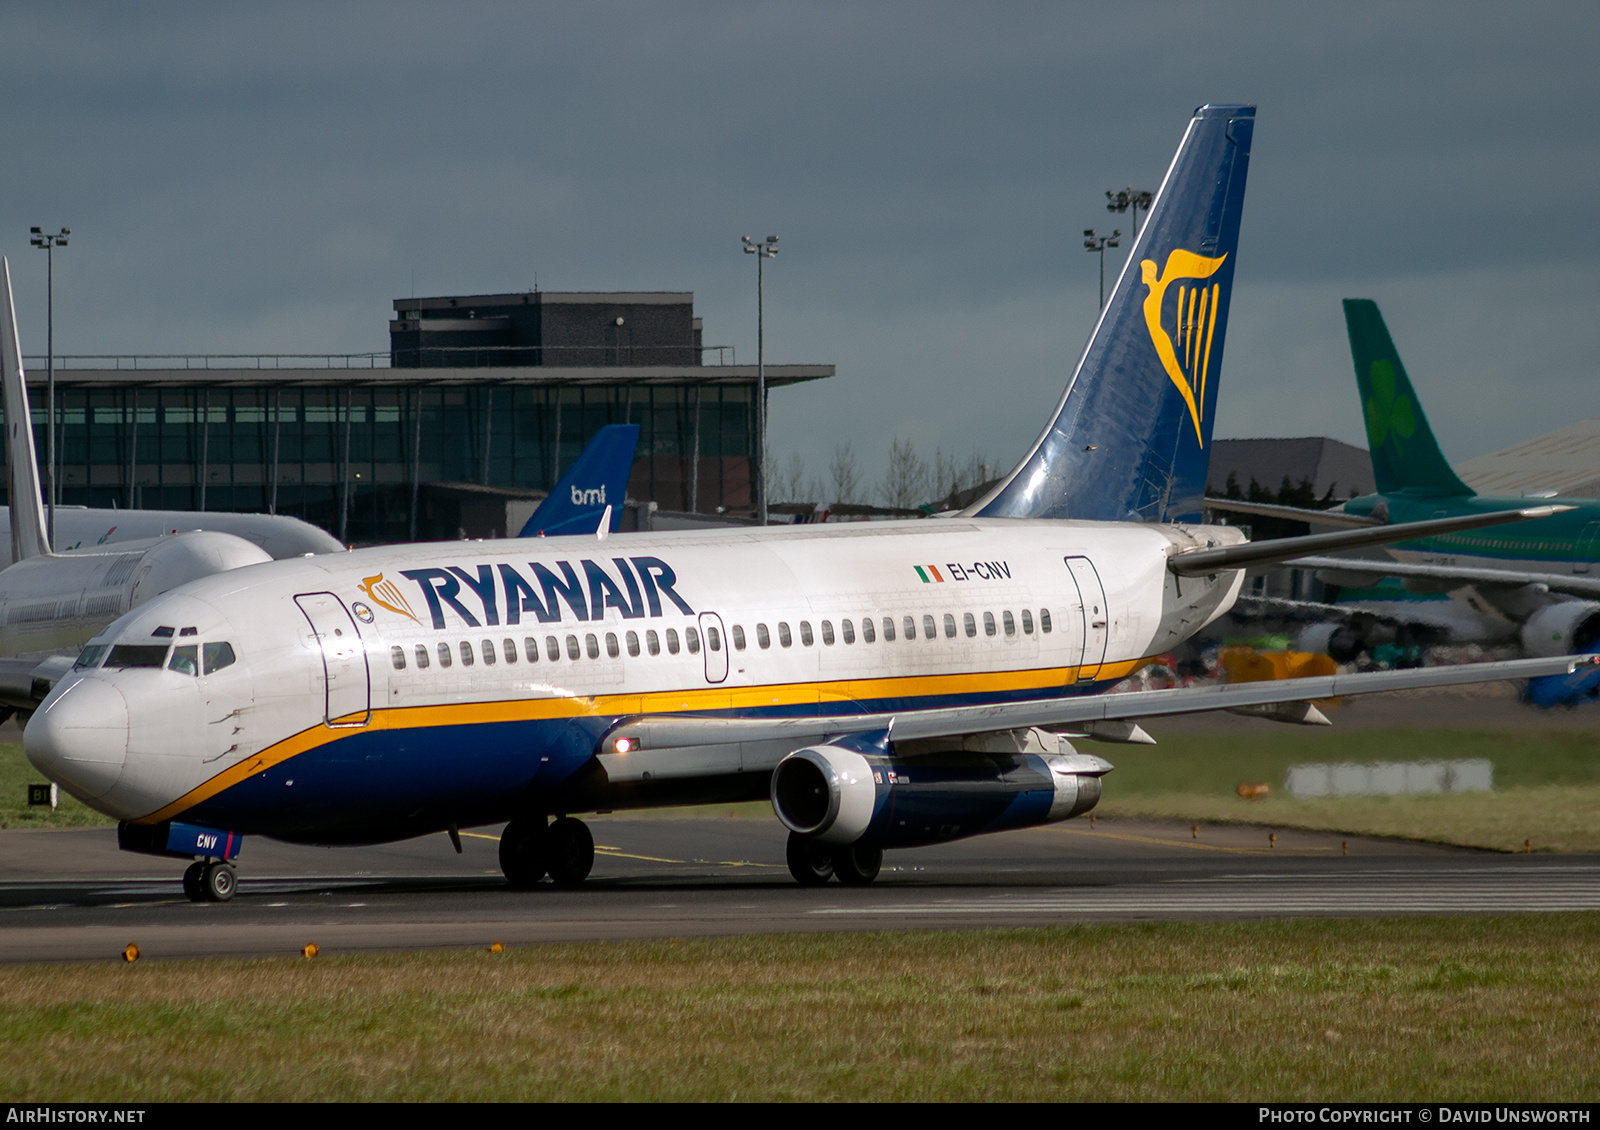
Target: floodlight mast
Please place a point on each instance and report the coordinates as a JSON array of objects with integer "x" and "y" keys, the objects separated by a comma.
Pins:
[
  {"x": 40, "y": 238},
  {"x": 762, "y": 250},
  {"x": 1098, "y": 244},
  {"x": 1130, "y": 197}
]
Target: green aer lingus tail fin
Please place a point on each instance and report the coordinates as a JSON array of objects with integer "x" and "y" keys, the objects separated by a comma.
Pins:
[{"x": 1405, "y": 456}]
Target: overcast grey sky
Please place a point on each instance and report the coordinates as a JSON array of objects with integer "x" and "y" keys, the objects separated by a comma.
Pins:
[{"x": 268, "y": 176}]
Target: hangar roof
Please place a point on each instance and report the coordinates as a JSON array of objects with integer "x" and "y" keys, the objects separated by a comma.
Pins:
[{"x": 1566, "y": 461}]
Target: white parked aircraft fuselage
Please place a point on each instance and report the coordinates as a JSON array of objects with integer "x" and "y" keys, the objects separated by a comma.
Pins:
[{"x": 453, "y": 683}]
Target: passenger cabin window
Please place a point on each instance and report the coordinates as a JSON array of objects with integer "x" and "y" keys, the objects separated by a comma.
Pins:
[
  {"x": 908, "y": 627},
  {"x": 738, "y": 637},
  {"x": 220, "y": 655},
  {"x": 763, "y": 639},
  {"x": 672, "y": 641},
  {"x": 692, "y": 639},
  {"x": 397, "y": 656},
  {"x": 949, "y": 626},
  {"x": 867, "y": 631},
  {"x": 552, "y": 648},
  {"x": 785, "y": 638},
  {"x": 185, "y": 660},
  {"x": 591, "y": 645},
  {"x": 970, "y": 624},
  {"x": 530, "y": 648},
  {"x": 988, "y": 624},
  {"x": 1027, "y": 622},
  {"x": 488, "y": 653},
  {"x": 422, "y": 656},
  {"x": 805, "y": 633},
  {"x": 713, "y": 638},
  {"x": 444, "y": 655},
  {"x": 633, "y": 643},
  {"x": 613, "y": 649},
  {"x": 888, "y": 629},
  {"x": 511, "y": 651},
  {"x": 848, "y": 630},
  {"x": 1044, "y": 620},
  {"x": 827, "y": 633},
  {"x": 1010, "y": 623},
  {"x": 929, "y": 630},
  {"x": 572, "y": 648},
  {"x": 652, "y": 643},
  {"x": 466, "y": 653}
]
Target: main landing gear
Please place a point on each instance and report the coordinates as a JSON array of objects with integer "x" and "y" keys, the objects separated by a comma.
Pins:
[
  {"x": 813, "y": 864},
  {"x": 530, "y": 849},
  {"x": 210, "y": 881}
]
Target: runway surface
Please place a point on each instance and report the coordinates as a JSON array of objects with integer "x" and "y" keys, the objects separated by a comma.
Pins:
[{"x": 68, "y": 895}]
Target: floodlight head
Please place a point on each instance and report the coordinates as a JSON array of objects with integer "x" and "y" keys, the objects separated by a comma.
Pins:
[
  {"x": 36, "y": 231},
  {"x": 1088, "y": 233},
  {"x": 772, "y": 239}
]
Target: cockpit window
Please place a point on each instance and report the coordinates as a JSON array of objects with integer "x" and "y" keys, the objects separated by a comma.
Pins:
[
  {"x": 137, "y": 655},
  {"x": 217, "y": 656},
  {"x": 185, "y": 660},
  {"x": 163, "y": 632},
  {"x": 91, "y": 656}
]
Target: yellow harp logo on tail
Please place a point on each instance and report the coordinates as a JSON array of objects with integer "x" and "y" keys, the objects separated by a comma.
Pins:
[
  {"x": 387, "y": 594},
  {"x": 1186, "y": 354}
]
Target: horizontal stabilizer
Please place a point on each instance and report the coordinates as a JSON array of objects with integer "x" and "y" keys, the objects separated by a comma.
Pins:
[
  {"x": 1255, "y": 553},
  {"x": 1336, "y": 518}
]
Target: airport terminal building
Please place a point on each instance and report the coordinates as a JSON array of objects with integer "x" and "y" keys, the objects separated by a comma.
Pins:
[{"x": 478, "y": 396}]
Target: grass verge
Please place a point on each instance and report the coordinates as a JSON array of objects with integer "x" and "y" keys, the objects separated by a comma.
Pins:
[
  {"x": 15, "y": 777},
  {"x": 1457, "y": 1009},
  {"x": 1547, "y": 785}
]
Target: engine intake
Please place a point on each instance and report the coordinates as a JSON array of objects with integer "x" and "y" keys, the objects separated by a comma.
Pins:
[{"x": 840, "y": 796}]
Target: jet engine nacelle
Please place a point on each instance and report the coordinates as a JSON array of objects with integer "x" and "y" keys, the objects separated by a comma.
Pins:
[
  {"x": 1566, "y": 627},
  {"x": 839, "y": 796}
]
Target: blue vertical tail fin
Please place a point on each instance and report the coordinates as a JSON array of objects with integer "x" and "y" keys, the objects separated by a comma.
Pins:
[
  {"x": 1131, "y": 438},
  {"x": 595, "y": 483}
]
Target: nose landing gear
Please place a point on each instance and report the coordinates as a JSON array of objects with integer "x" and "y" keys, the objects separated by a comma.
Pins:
[{"x": 210, "y": 881}]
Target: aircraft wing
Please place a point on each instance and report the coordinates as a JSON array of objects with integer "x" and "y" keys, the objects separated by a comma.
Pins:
[
  {"x": 1577, "y": 584},
  {"x": 665, "y": 746}
]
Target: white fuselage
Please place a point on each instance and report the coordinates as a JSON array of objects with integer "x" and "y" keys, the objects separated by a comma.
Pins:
[{"x": 391, "y": 691}]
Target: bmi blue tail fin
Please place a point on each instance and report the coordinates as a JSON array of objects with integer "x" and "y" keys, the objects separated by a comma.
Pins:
[
  {"x": 598, "y": 480},
  {"x": 1131, "y": 439}
]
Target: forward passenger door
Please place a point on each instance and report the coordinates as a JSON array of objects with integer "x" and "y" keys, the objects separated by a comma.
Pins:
[{"x": 344, "y": 659}]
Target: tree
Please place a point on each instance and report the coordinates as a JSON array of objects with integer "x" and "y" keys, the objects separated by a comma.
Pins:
[
  {"x": 843, "y": 471},
  {"x": 905, "y": 485}
]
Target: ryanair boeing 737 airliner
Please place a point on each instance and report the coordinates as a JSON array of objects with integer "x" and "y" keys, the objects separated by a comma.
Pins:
[{"x": 885, "y": 684}]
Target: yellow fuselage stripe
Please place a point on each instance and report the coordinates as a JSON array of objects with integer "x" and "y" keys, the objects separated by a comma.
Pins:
[{"x": 717, "y": 699}]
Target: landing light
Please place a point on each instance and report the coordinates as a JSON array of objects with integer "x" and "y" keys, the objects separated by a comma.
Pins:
[{"x": 623, "y": 745}]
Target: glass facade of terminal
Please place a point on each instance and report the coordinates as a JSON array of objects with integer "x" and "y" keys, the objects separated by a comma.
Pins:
[{"x": 346, "y": 454}]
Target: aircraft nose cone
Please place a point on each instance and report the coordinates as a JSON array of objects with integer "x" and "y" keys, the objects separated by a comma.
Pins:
[{"x": 80, "y": 738}]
